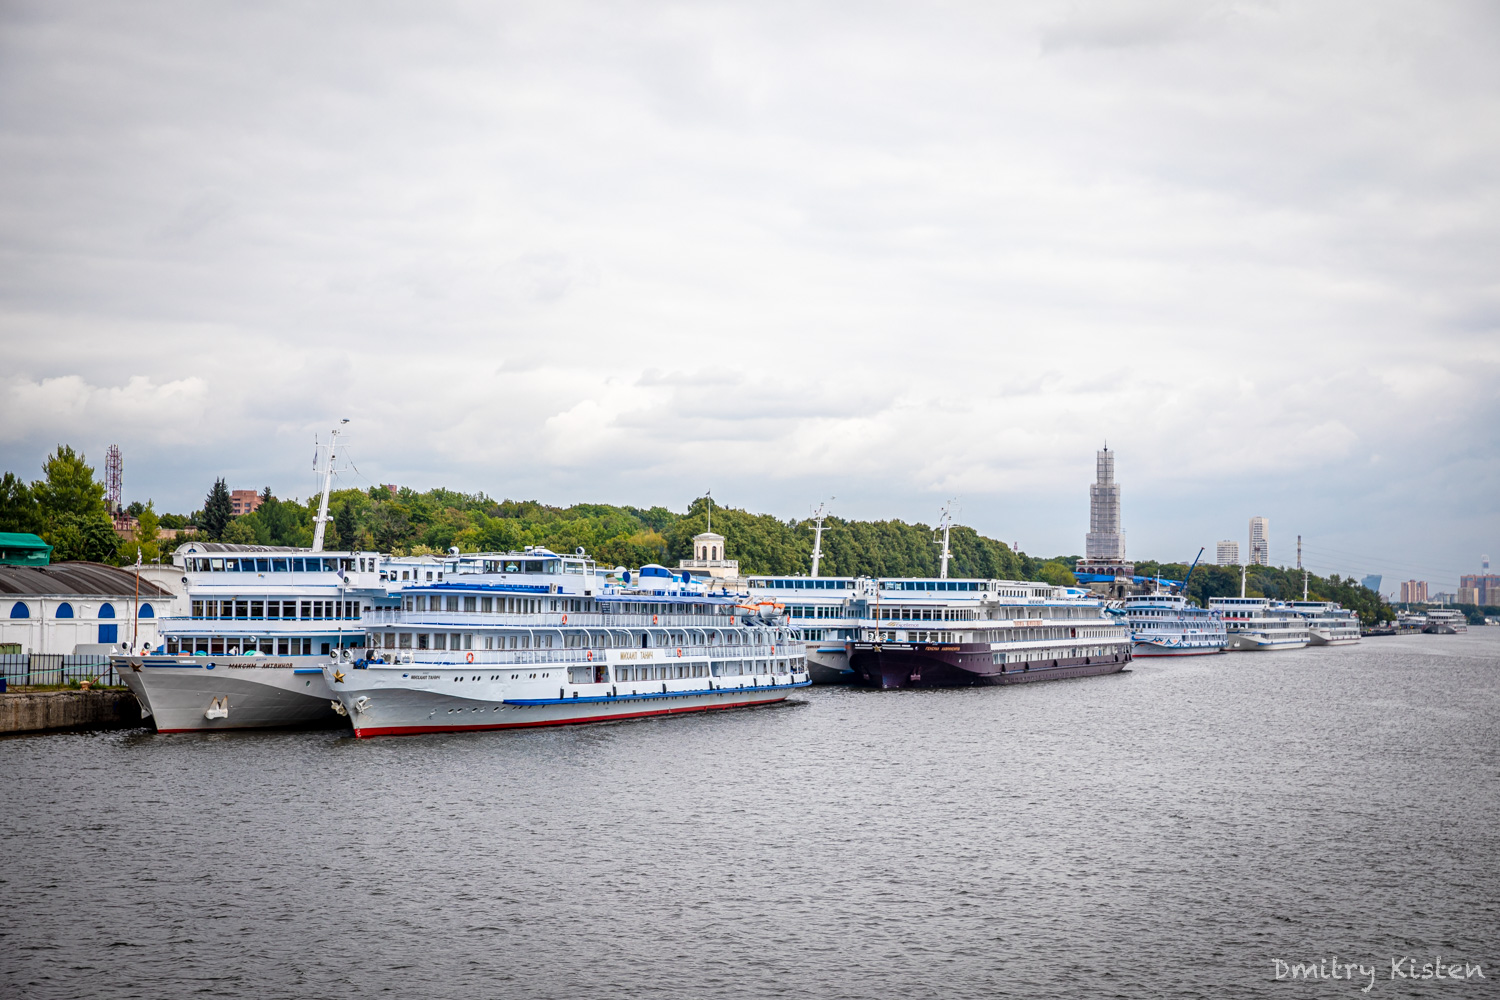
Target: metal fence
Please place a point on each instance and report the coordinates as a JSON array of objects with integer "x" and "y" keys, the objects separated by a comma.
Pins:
[{"x": 54, "y": 669}]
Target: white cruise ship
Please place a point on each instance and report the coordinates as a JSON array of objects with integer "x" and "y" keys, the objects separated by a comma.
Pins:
[
  {"x": 1171, "y": 625},
  {"x": 1445, "y": 621},
  {"x": 1328, "y": 623},
  {"x": 1256, "y": 623},
  {"x": 538, "y": 639},
  {"x": 262, "y": 621}
]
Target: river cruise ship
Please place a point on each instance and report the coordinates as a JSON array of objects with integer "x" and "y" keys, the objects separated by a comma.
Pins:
[
  {"x": 1016, "y": 633},
  {"x": 262, "y": 621},
  {"x": 830, "y": 612},
  {"x": 540, "y": 639},
  {"x": 1171, "y": 625},
  {"x": 1445, "y": 621},
  {"x": 1256, "y": 623},
  {"x": 1328, "y": 623}
]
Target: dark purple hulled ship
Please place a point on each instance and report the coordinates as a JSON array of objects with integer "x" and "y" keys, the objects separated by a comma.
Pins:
[{"x": 966, "y": 664}]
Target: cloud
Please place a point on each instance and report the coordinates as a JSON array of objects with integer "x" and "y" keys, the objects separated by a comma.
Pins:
[
  {"x": 586, "y": 252},
  {"x": 68, "y": 406}
]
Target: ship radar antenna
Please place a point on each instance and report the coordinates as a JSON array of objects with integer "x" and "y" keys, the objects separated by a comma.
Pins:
[
  {"x": 322, "y": 519},
  {"x": 818, "y": 517}
]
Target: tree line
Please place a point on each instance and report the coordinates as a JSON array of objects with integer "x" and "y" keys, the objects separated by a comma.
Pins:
[
  {"x": 1277, "y": 583},
  {"x": 66, "y": 508}
]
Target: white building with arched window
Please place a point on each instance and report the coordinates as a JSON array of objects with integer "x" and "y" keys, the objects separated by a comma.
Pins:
[
  {"x": 77, "y": 607},
  {"x": 708, "y": 556}
]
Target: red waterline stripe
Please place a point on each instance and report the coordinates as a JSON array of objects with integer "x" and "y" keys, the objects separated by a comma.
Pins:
[{"x": 413, "y": 730}]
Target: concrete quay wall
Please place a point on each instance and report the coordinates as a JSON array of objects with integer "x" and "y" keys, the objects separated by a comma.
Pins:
[{"x": 41, "y": 711}]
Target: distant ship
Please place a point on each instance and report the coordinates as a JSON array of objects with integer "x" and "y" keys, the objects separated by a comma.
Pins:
[
  {"x": 1256, "y": 623},
  {"x": 1171, "y": 625},
  {"x": 1445, "y": 621},
  {"x": 1328, "y": 623}
]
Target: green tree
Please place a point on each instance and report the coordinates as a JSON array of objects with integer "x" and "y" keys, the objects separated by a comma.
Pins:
[
  {"x": 238, "y": 532},
  {"x": 1056, "y": 573},
  {"x": 18, "y": 506},
  {"x": 70, "y": 505},
  {"x": 344, "y": 521},
  {"x": 217, "y": 511},
  {"x": 391, "y": 530},
  {"x": 74, "y": 536},
  {"x": 68, "y": 486},
  {"x": 145, "y": 542}
]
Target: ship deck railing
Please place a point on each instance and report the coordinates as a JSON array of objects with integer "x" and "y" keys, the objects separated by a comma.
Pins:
[
  {"x": 573, "y": 656},
  {"x": 544, "y": 620}
]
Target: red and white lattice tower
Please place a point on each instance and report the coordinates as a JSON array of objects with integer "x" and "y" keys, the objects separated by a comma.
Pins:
[{"x": 114, "y": 478}]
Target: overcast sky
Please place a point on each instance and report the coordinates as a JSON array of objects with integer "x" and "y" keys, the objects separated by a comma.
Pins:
[{"x": 893, "y": 253}]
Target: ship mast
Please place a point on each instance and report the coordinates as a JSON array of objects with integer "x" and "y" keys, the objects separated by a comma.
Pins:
[
  {"x": 1242, "y": 579},
  {"x": 947, "y": 524},
  {"x": 322, "y": 519},
  {"x": 817, "y": 553},
  {"x": 1302, "y": 567}
]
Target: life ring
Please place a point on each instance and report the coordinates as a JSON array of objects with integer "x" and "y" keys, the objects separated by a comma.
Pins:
[
  {"x": 653, "y": 619},
  {"x": 470, "y": 657},
  {"x": 679, "y": 652},
  {"x": 565, "y": 619},
  {"x": 590, "y": 655}
]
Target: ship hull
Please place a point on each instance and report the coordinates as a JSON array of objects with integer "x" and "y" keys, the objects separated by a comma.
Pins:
[
  {"x": 1252, "y": 644},
  {"x": 829, "y": 664},
  {"x": 194, "y": 694},
  {"x": 1321, "y": 639},
  {"x": 1147, "y": 649},
  {"x": 381, "y": 703},
  {"x": 893, "y": 665},
  {"x": 1445, "y": 629}
]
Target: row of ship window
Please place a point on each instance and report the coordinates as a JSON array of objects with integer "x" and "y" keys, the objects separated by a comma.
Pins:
[
  {"x": 277, "y": 610},
  {"x": 21, "y": 609},
  {"x": 935, "y": 586},
  {"x": 928, "y": 614},
  {"x": 625, "y": 674},
  {"x": 811, "y": 583},
  {"x": 1033, "y": 655},
  {"x": 276, "y": 564},
  {"x": 478, "y": 604},
  {"x": 546, "y": 640},
  {"x": 1004, "y": 635},
  {"x": 817, "y": 611},
  {"x": 920, "y": 637},
  {"x": 237, "y": 646}
]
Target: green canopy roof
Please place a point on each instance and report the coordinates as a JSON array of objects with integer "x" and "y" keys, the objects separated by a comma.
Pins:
[{"x": 19, "y": 549}]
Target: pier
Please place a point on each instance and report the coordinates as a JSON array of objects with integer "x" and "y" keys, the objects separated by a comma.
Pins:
[{"x": 46, "y": 711}]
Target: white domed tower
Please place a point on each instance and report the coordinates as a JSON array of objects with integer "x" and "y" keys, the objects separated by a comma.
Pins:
[{"x": 708, "y": 557}]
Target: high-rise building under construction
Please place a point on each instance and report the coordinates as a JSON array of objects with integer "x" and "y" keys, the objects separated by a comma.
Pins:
[{"x": 1104, "y": 547}]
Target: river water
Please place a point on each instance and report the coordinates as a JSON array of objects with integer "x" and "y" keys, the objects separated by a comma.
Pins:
[{"x": 1171, "y": 831}]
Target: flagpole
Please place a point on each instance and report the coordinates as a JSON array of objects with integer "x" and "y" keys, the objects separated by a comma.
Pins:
[{"x": 135, "y": 637}]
